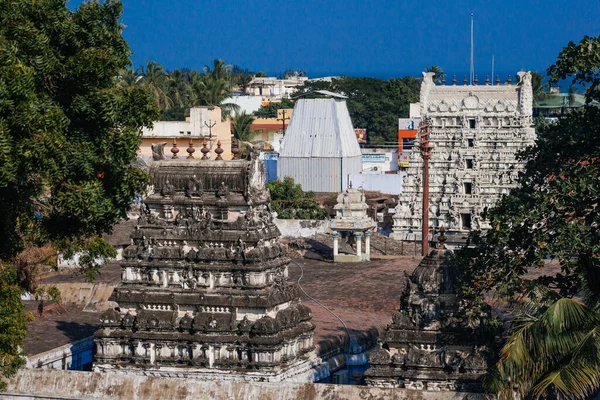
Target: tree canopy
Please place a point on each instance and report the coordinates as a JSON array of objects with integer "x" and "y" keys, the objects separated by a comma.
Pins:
[
  {"x": 373, "y": 104},
  {"x": 551, "y": 218},
  {"x": 289, "y": 201},
  {"x": 70, "y": 127}
]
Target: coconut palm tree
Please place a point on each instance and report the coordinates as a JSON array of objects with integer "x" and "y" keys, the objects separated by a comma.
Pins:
[
  {"x": 538, "y": 87},
  {"x": 178, "y": 89},
  {"x": 242, "y": 127},
  {"x": 553, "y": 350},
  {"x": 219, "y": 71},
  {"x": 128, "y": 77},
  {"x": 438, "y": 72},
  {"x": 156, "y": 79}
]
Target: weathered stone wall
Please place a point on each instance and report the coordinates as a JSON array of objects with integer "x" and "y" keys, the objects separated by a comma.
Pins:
[
  {"x": 293, "y": 228},
  {"x": 41, "y": 384}
]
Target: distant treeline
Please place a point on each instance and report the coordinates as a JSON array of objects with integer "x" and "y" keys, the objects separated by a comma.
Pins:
[{"x": 374, "y": 104}]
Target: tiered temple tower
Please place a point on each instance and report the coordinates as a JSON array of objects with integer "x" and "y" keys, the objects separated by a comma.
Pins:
[
  {"x": 476, "y": 132},
  {"x": 204, "y": 290},
  {"x": 430, "y": 344}
]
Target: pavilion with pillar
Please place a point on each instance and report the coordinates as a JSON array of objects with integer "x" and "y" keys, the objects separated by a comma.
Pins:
[{"x": 350, "y": 225}]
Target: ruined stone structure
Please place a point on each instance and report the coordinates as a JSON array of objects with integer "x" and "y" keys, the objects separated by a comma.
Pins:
[
  {"x": 476, "y": 132},
  {"x": 351, "y": 222},
  {"x": 204, "y": 290},
  {"x": 429, "y": 345}
]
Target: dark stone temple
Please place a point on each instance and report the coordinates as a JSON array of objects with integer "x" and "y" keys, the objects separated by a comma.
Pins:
[
  {"x": 429, "y": 345},
  {"x": 204, "y": 290}
]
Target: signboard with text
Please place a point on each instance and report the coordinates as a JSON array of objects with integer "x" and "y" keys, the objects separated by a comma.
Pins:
[
  {"x": 403, "y": 158},
  {"x": 373, "y": 158}
]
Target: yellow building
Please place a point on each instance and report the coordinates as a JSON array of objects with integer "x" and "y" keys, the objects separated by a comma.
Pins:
[
  {"x": 270, "y": 129},
  {"x": 203, "y": 123}
]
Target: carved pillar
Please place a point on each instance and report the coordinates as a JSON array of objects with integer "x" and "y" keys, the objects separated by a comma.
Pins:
[
  {"x": 336, "y": 238},
  {"x": 368, "y": 243},
  {"x": 358, "y": 237}
]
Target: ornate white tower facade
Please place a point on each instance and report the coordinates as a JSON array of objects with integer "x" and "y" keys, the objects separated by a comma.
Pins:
[{"x": 476, "y": 132}]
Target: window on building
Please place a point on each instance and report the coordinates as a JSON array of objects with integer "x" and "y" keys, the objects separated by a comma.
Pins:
[
  {"x": 469, "y": 164},
  {"x": 408, "y": 144},
  {"x": 181, "y": 132},
  {"x": 465, "y": 220},
  {"x": 470, "y": 142},
  {"x": 467, "y": 187},
  {"x": 189, "y": 132},
  {"x": 472, "y": 124}
]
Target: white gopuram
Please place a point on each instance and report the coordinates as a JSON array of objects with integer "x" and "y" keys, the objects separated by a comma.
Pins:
[{"x": 476, "y": 132}]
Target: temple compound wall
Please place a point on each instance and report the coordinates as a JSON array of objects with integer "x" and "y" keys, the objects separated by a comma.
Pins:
[
  {"x": 204, "y": 290},
  {"x": 476, "y": 132},
  {"x": 49, "y": 384}
]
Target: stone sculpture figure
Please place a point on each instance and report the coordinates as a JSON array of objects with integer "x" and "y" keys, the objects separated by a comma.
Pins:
[
  {"x": 192, "y": 188},
  {"x": 158, "y": 151}
]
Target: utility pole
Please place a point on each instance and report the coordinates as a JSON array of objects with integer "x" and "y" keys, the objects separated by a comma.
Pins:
[
  {"x": 425, "y": 149},
  {"x": 210, "y": 126},
  {"x": 472, "y": 72},
  {"x": 283, "y": 119}
]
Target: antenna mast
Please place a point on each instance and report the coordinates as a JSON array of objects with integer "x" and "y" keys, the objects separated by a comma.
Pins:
[
  {"x": 492, "y": 69},
  {"x": 472, "y": 74}
]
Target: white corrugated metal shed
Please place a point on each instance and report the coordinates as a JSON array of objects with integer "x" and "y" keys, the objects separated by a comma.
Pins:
[{"x": 320, "y": 149}]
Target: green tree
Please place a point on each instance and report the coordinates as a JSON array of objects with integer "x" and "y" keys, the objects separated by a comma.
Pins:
[
  {"x": 242, "y": 127},
  {"x": 538, "y": 87},
  {"x": 68, "y": 136},
  {"x": 155, "y": 78},
  {"x": 289, "y": 201},
  {"x": 438, "y": 72},
  {"x": 554, "y": 347},
  {"x": 373, "y": 104},
  {"x": 270, "y": 111},
  {"x": 12, "y": 323}
]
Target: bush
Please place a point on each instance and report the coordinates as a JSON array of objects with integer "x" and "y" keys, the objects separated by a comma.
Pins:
[{"x": 291, "y": 202}]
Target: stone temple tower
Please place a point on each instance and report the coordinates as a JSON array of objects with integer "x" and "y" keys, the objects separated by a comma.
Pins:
[
  {"x": 430, "y": 344},
  {"x": 204, "y": 290},
  {"x": 476, "y": 132}
]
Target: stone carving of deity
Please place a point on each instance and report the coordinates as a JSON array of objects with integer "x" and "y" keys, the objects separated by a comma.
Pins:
[
  {"x": 192, "y": 187},
  {"x": 223, "y": 191},
  {"x": 167, "y": 189}
]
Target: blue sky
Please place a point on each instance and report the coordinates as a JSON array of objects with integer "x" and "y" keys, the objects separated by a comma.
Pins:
[{"x": 354, "y": 37}]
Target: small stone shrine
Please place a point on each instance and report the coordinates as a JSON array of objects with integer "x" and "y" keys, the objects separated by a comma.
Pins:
[
  {"x": 351, "y": 224},
  {"x": 429, "y": 346},
  {"x": 204, "y": 291}
]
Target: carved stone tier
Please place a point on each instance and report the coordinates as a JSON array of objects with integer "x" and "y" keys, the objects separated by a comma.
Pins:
[
  {"x": 204, "y": 289},
  {"x": 429, "y": 346}
]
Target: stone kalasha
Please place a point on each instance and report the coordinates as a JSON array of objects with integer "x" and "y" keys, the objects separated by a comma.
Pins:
[
  {"x": 430, "y": 345},
  {"x": 204, "y": 289}
]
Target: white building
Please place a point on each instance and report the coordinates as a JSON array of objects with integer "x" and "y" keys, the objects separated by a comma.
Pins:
[
  {"x": 476, "y": 132},
  {"x": 269, "y": 87},
  {"x": 319, "y": 149}
]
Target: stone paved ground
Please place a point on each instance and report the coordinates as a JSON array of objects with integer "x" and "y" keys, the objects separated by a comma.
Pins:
[{"x": 363, "y": 295}]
